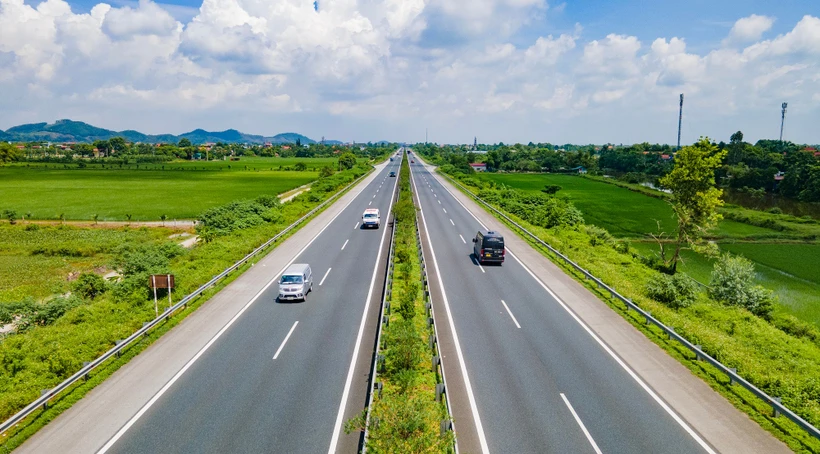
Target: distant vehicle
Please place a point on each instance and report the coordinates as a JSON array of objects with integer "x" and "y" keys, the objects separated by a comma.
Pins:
[
  {"x": 371, "y": 218},
  {"x": 488, "y": 247},
  {"x": 412, "y": 161},
  {"x": 296, "y": 282},
  {"x": 392, "y": 174},
  {"x": 391, "y": 159}
]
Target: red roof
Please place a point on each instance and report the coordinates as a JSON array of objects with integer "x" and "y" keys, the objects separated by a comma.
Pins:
[{"x": 478, "y": 164}]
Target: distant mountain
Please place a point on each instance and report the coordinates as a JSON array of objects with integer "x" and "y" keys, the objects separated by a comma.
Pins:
[{"x": 78, "y": 131}]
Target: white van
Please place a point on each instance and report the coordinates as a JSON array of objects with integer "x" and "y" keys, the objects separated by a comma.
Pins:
[
  {"x": 371, "y": 218},
  {"x": 296, "y": 282}
]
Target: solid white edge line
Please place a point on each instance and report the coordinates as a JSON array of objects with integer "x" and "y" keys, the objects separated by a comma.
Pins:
[
  {"x": 482, "y": 439},
  {"x": 219, "y": 334},
  {"x": 603, "y": 344},
  {"x": 511, "y": 314},
  {"x": 349, "y": 381},
  {"x": 343, "y": 246},
  {"x": 279, "y": 350},
  {"x": 581, "y": 423},
  {"x": 462, "y": 239},
  {"x": 324, "y": 277}
]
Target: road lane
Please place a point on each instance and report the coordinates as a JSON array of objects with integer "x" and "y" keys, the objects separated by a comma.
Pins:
[
  {"x": 235, "y": 398},
  {"x": 519, "y": 375}
]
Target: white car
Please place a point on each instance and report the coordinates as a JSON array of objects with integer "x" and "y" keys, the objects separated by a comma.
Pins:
[{"x": 371, "y": 218}]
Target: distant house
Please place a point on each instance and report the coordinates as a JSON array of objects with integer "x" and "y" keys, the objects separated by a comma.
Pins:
[
  {"x": 579, "y": 169},
  {"x": 779, "y": 176},
  {"x": 286, "y": 147},
  {"x": 479, "y": 166},
  {"x": 666, "y": 157}
]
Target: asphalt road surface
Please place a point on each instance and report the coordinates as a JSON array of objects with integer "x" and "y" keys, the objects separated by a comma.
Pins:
[{"x": 539, "y": 381}]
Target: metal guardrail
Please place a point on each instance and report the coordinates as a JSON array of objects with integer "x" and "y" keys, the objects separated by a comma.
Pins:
[
  {"x": 121, "y": 345},
  {"x": 777, "y": 407}
]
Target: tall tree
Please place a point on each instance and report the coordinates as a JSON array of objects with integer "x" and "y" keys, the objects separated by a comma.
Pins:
[
  {"x": 695, "y": 199},
  {"x": 9, "y": 152}
]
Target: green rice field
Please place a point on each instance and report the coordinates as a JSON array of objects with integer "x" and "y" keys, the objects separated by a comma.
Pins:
[
  {"x": 179, "y": 191},
  {"x": 791, "y": 270}
]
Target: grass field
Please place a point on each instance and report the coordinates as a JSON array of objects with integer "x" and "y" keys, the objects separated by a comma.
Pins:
[
  {"x": 624, "y": 213},
  {"x": 36, "y": 263},
  {"x": 251, "y": 163},
  {"x": 145, "y": 194}
]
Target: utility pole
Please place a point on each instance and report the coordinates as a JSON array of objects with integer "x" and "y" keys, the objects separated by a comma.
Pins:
[
  {"x": 680, "y": 118},
  {"x": 782, "y": 118},
  {"x": 475, "y": 143},
  {"x": 425, "y": 136}
]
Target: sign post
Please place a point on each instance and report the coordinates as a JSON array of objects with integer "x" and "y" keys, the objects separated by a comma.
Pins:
[{"x": 161, "y": 281}]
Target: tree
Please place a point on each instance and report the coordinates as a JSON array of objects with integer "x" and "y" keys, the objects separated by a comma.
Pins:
[
  {"x": 184, "y": 143},
  {"x": 89, "y": 285},
  {"x": 9, "y": 152},
  {"x": 551, "y": 189},
  {"x": 103, "y": 147},
  {"x": 118, "y": 144},
  {"x": 347, "y": 160},
  {"x": 325, "y": 172},
  {"x": 695, "y": 199},
  {"x": 300, "y": 167},
  {"x": 11, "y": 215},
  {"x": 733, "y": 285}
]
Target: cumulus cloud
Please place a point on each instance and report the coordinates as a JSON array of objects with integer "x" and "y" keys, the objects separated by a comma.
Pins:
[
  {"x": 390, "y": 66},
  {"x": 749, "y": 29}
]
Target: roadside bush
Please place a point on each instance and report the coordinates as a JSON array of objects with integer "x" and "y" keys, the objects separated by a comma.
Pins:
[
  {"x": 325, "y": 172},
  {"x": 598, "y": 236},
  {"x": 406, "y": 347},
  {"x": 733, "y": 285},
  {"x": 537, "y": 208},
  {"x": 775, "y": 210},
  {"x": 268, "y": 201},
  {"x": 228, "y": 218},
  {"x": 89, "y": 285},
  {"x": 300, "y": 167},
  {"x": 674, "y": 291}
]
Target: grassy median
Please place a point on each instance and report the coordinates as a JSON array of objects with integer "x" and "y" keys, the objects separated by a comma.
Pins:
[{"x": 406, "y": 417}]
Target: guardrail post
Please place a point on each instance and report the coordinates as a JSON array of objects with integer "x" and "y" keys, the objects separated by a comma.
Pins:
[
  {"x": 118, "y": 342},
  {"x": 446, "y": 425},
  {"x": 669, "y": 334},
  {"x": 386, "y": 320},
  {"x": 380, "y": 362},
  {"x": 43, "y": 392},
  {"x": 436, "y": 361},
  {"x": 646, "y": 317},
  {"x": 432, "y": 341},
  {"x": 439, "y": 391},
  {"x": 387, "y": 307},
  {"x": 86, "y": 363},
  {"x": 378, "y": 386},
  {"x": 775, "y": 411},
  {"x": 732, "y": 378},
  {"x": 430, "y": 321},
  {"x": 697, "y": 352}
]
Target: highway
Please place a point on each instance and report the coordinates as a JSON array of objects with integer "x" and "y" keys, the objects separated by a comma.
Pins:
[
  {"x": 275, "y": 381},
  {"x": 260, "y": 376},
  {"x": 538, "y": 380}
]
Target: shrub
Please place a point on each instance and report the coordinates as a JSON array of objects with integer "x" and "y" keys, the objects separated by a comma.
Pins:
[
  {"x": 406, "y": 347},
  {"x": 775, "y": 210},
  {"x": 89, "y": 285},
  {"x": 597, "y": 235},
  {"x": 326, "y": 172},
  {"x": 300, "y": 167},
  {"x": 268, "y": 201},
  {"x": 733, "y": 285},
  {"x": 551, "y": 189},
  {"x": 228, "y": 218},
  {"x": 675, "y": 291}
]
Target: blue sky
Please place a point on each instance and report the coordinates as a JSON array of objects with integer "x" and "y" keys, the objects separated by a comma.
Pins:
[{"x": 506, "y": 70}]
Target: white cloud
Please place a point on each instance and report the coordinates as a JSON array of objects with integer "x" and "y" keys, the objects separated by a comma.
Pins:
[
  {"x": 385, "y": 68},
  {"x": 749, "y": 29}
]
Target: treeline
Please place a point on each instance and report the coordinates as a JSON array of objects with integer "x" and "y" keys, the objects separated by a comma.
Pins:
[
  {"x": 118, "y": 149},
  {"x": 768, "y": 166}
]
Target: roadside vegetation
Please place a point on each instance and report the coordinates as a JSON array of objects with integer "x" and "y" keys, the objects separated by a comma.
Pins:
[
  {"x": 58, "y": 325},
  {"x": 733, "y": 320},
  {"x": 406, "y": 416}
]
